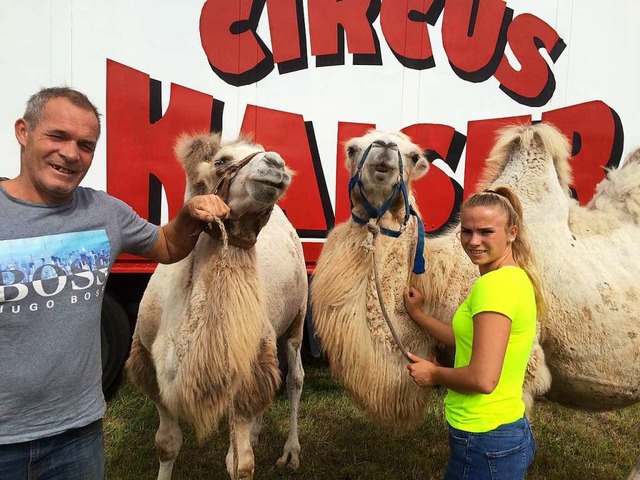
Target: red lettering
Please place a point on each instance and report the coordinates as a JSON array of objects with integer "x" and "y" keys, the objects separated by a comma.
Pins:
[
  {"x": 328, "y": 19},
  {"x": 533, "y": 84},
  {"x": 228, "y": 34},
  {"x": 286, "y": 25},
  {"x": 404, "y": 29},
  {"x": 438, "y": 195},
  {"x": 595, "y": 132},
  {"x": 306, "y": 202},
  {"x": 136, "y": 148},
  {"x": 474, "y": 36}
]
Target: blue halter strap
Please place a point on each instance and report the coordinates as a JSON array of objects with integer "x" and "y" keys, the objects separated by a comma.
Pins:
[{"x": 399, "y": 187}]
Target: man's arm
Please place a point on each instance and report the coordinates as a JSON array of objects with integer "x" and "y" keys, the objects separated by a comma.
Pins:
[{"x": 178, "y": 237}]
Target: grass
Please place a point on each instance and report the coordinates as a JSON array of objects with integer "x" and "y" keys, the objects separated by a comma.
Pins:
[{"x": 338, "y": 442}]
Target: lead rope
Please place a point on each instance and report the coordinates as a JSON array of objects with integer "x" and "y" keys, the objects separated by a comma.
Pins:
[
  {"x": 369, "y": 246},
  {"x": 225, "y": 341}
]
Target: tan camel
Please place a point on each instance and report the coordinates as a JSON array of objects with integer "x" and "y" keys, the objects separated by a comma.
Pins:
[
  {"x": 345, "y": 304},
  {"x": 214, "y": 317}
]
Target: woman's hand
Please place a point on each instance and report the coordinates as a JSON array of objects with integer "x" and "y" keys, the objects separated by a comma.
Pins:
[
  {"x": 413, "y": 300},
  {"x": 422, "y": 371}
]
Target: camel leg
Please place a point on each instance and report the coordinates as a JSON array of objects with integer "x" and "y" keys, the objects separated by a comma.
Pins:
[
  {"x": 295, "y": 378},
  {"x": 635, "y": 474},
  {"x": 142, "y": 372},
  {"x": 255, "y": 429},
  {"x": 246, "y": 462},
  {"x": 251, "y": 400},
  {"x": 538, "y": 378},
  {"x": 168, "y": 442}
]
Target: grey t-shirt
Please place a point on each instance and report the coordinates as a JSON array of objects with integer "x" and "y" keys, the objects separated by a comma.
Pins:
[{"x": 54, "y": 263}]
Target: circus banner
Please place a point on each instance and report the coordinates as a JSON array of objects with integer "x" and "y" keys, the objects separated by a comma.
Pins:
[{"x": 302, "y": 77}]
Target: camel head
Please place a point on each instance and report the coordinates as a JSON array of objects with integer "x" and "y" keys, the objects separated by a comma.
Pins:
[
  {"x": 249, "y": 179},
  {"x": 381, "y": 160}
]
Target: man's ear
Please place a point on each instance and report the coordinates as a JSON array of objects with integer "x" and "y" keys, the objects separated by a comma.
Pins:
[{"x": 22, "y": 131}]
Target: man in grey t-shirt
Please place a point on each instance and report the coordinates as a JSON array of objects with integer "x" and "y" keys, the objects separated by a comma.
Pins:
[{"x": 58, "y": 243}]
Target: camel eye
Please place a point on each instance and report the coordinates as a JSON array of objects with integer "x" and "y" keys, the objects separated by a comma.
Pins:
[
  {"x": 351, "y": 150},
  {"x": 415, "y": 157},
  {"x": 221, "y": 161}
]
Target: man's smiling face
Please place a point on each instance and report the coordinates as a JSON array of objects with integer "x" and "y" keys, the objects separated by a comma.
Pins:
[{"x": 57, "y": 152}]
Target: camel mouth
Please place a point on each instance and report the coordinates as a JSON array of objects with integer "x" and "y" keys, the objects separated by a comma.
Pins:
[
  {"x": 272, "y": 178},
  {"x": 270, "y": 183},
  {"x": 381, "y": 168},
  {"x": 268, "y": 191}
]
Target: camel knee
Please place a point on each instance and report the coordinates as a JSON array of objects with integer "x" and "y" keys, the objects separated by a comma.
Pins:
[
  {"x": 295, "y": 374},
  {"x": 168, "y": 443},
  {"x": 295, "y": 379}
]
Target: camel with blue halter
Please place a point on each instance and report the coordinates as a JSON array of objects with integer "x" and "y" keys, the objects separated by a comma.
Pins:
[{"x": 348, "y": 295}]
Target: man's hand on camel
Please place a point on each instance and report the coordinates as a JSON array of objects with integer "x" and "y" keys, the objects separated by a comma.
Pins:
[{"x": 207, "y": 207}]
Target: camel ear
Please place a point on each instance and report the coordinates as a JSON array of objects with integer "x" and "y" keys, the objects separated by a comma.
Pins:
[
  {"x": 420, "y": 167},
  {"x": 352, "y": 154},
  {"x": 193, "y": 150}
]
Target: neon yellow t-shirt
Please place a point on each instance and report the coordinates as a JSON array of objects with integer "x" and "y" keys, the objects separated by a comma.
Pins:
[{"x": 508, "y": 291}]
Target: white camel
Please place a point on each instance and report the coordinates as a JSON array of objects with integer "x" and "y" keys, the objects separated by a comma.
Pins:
[
  {"x": 208, "y": 325},
  {"x": 589, "y": 265}
]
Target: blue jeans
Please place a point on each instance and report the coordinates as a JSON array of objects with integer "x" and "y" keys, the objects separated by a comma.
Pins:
[
  {"x": 76, "y": 454},
  {"x": 504, "y": 453}
]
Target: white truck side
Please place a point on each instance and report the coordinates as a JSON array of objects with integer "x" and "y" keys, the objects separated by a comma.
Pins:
[{"x": 304, "y": 76}]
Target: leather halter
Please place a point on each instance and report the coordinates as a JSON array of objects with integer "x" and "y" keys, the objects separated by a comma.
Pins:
[
  {"x": 228, "y": 174},
  {"x": 254, "y": 221}
]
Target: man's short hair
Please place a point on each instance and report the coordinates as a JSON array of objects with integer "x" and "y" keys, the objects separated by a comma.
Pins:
[{"x": 35, "y": 105}]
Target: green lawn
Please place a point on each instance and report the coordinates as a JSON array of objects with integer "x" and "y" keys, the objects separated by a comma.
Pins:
[{"x": 339, "y": 443}]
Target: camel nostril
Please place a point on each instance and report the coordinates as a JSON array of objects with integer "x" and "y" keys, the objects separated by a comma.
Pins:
[{"x": 387, "y": 144}]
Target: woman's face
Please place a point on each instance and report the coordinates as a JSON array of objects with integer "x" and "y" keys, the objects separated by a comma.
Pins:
[{"x": 485, "y": 238}]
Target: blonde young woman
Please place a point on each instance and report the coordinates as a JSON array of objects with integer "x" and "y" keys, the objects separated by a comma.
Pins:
[{"x": 492, "y": 332}]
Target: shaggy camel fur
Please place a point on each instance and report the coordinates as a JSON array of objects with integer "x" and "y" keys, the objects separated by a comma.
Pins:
[
  {"x": 218, "y": 312},
  {"x": 345, "y": 305}
]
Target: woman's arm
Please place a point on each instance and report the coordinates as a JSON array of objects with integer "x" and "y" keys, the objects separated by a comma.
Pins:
[
  {"x": 491, "y": 332},
  {"x": 413, "y": 300}
]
